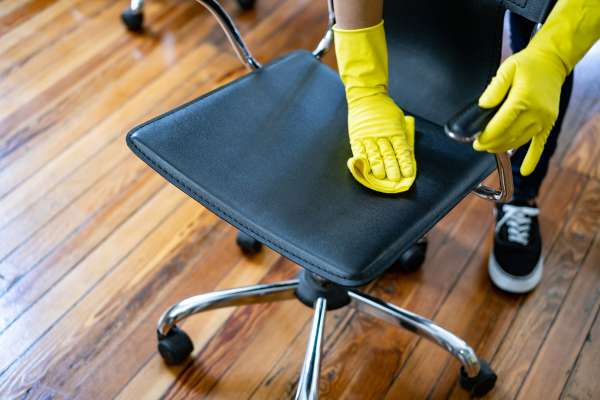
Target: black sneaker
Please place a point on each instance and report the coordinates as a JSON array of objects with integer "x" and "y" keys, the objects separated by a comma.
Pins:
[{"x": 516, "y": 262}]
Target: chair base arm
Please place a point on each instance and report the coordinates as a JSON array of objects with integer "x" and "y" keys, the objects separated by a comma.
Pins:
[
  {"x": 311, "y": 287},
  {"x": 476, "y": 376}
]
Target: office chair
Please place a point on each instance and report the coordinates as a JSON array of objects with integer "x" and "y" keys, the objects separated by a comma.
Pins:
[
  {"x": 133, "y": 16},
  {"x": 246, "y": 152}
]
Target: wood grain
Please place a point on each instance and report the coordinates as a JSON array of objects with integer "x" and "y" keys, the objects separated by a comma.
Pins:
[
  {"x": 94, "y": 246},
  {"x": 583, "y": 382},
  {"x": 555, "y": 359},
  {"x": 536, "y": 316}
]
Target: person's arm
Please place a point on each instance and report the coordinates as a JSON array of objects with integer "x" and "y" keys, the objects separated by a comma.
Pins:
[
  {"x": 531, "y": 81},
  {"x": 356, "y": 14},
  {"x": 381, "y": 137}
]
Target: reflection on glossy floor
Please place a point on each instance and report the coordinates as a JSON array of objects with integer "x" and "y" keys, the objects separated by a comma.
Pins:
[{"x": 94, "y": 245}]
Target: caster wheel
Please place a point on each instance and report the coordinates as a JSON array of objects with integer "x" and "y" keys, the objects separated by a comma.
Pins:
[
  {"x": 412, "y": 259},
  {"x": 175, "y": 347},
  {"x": 133, "y": 21},
  {"x": 482, "y": 383},
  {"x": 246, "y": 4},
  {"x": 248, "y": 244}
]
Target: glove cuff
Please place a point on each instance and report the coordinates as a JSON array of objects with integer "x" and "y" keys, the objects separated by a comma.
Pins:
[
  {"x": 359, "y": 30},
  {"x": 362, "y": 59},
  {"x": 572, "y": 27}
]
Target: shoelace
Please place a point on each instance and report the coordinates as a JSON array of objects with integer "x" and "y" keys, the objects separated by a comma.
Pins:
[{"x": 518, "y": 220}]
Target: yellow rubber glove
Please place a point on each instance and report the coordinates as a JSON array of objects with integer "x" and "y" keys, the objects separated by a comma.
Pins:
[
  {"x": 533, "y": 79},
  {"x": 381, "y": 137}
]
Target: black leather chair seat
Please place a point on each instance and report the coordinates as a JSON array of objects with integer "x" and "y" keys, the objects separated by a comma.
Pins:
[{"x": 268, "y": 154}]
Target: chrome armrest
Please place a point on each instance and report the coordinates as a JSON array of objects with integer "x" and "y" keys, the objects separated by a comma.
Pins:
[
  {"x": 232, "y": 32},
  {"x": 325, "y": 42},
  {"x": 136, "y": 6},
  {"x": 505, "y": 177},
  {"x": 240, "y": 47},
  {"x": 464, "y": 127}
]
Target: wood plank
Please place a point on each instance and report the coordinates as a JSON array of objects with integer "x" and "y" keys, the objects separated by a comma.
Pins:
[
  {"x": 28, "y": 243},
  {"x": 486, "y": 330},
  {"x": 584, "y": 104},
  {"x": 33, "y": 161},
  {"x": 237, "y": 335},
  {"x": 585, "y": 151},
  {"x": 19, "y": 262},
  {"x": 282, "y": 380},
  {"x": 83, "y": 85},
  {"x": 22, "y": 84},
  {"x": 583, "y": 383},
  {"x": 37, "y": 278},
  {"x": 8, "y": 6},
  {"x": 51, "y": 122},
  {"x": 121, "y": 312},
  {"x": 289, "y": 324},
  {"x": 23, "y": 41},
  {"x": 97, "y": 315},
  {"x": 17, "y": 15},
  {"x": 20, "y": 259},
  {"x": 154, "y": 378},
  {"x": 550, "y": 370},
  {"x": 107, "y": 367},
  {"x": 93, "y": 146},
  {"x": 23, "y": 332},
  {"x": 525, "y": 336},
  {"x": 50, "y": 204},
  {"x": 34, "y": 284}
]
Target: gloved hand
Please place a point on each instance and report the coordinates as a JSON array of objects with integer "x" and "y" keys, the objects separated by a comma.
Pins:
[
  {"x": 391, "y": 150},
  {"x": 381, "y": 137},
  {"x": 533, "y": 79}
]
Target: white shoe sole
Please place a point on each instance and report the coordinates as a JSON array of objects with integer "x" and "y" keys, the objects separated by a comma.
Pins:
[{"x": 511, "y": 283}]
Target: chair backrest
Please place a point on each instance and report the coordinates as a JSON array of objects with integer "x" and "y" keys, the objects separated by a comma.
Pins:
[
  {"x": 442, "y": 54},
  {"x": 534, "y": 10}
]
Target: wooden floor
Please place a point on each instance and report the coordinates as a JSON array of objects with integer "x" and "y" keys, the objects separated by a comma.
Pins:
[{"x": 94, "y": 245}]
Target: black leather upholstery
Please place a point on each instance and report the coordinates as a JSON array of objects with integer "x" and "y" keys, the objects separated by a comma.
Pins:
[
  {"x": 268, "y": 152},
  {"x": 534, "y": 10},
  {"x": 442, "y": 53}
]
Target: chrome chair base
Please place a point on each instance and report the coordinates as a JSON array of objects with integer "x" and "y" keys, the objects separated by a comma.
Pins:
[
  {"x": 133, "y": 19},
  {"x": 136, "y": 6},
  {"x": 174, "y": 345},
  {"x": 133, "y": 16}
]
